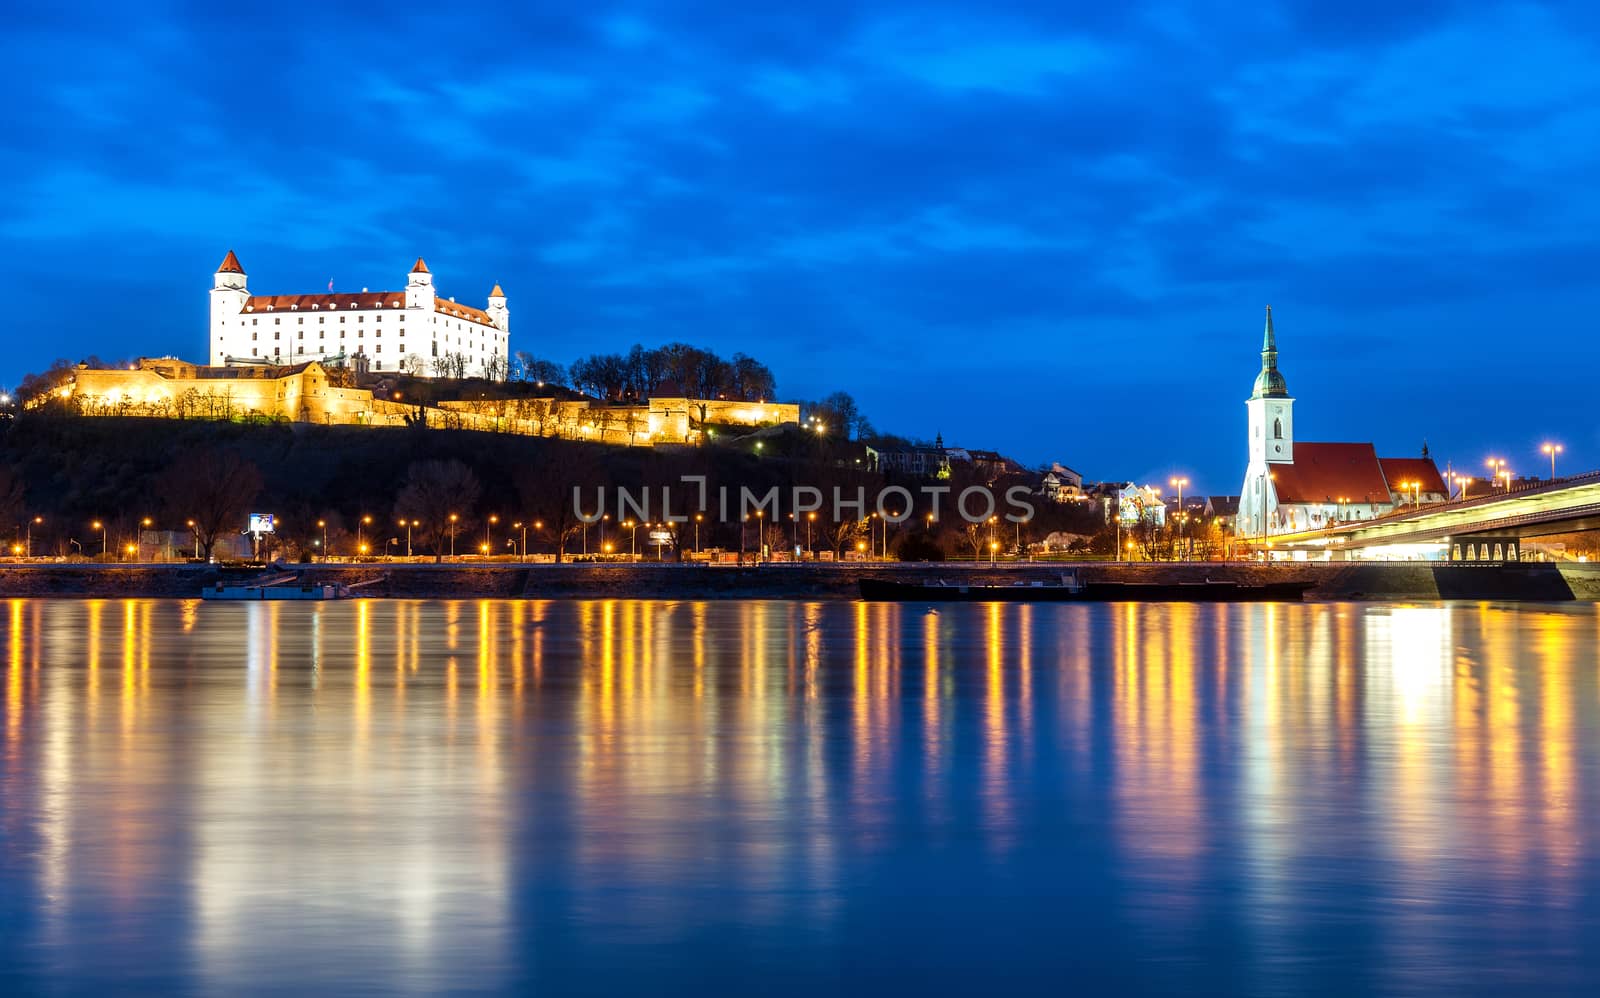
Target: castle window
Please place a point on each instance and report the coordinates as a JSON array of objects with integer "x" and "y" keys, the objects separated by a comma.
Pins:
[
  {"x": 341, "y": 320},
  {"x": 1277, "y": 429},
  {"x": 253, "y": 322},
  {"x": 361, "y": 318},
  {"x": 321, "y": 319},
  {"x": 300, "y": 321},
  {"x": 277, "y": 322},
  {"x": 255, "y": 336}
]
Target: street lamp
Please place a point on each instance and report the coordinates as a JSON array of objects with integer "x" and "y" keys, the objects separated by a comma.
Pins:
[
  {"x": 633, "y": 539},
  {"x": 196, "y": 532},
  {"x": 1462, "y": 481},
  {"x": 37, "y": 519},
  {"x": 97, "y": 525},
  {"x": 811, "y": 518},
  {"x": 408, "y": 524},
  {"x": 1495, "y": 464},
  {"x": 519, "y": 525},
  {"x": 697, "y": 518},
  {"x": 454, "y": 519},
  {"x": 361, "y": 547},
  {"x": 493, "y": 519},
  {"x": 1552, "y": 450},
  {"x": 323, "y": 525}
]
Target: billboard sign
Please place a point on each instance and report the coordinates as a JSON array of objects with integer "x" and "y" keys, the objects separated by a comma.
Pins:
[{"x": 260, "y": 523}]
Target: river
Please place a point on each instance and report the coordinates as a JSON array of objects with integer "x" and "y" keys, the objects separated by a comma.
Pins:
[{"x": 601, "y": 797}]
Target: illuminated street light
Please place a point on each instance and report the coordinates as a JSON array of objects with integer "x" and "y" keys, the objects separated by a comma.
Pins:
[
  {"x": 493, "y": 519},
  {"x": 1552, "y": 450},
  {"x": 454, "y": 519},
  {"x": 29, "y": 550},
  {"x": 323, "y": 525},
  {"x": 97, "y": 525}
]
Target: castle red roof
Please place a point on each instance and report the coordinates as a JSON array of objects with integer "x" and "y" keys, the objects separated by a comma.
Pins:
[
  {"x": 325, "y": 302},
  {"x": 449, "y": 307},
  {"x": 1329, "y": 473},
  {"x": 420, "y": 268},
  {"x": 230, "y": 265},
  {"x": 1413, "y": 469}
]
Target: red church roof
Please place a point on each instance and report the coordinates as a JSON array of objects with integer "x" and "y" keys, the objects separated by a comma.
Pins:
[
  {"x": 420, "y": 268},
  {"x": 230, "y": 265},
  {"x": 1329, "y": 473},
  {"x": 1413, "y": 469}
]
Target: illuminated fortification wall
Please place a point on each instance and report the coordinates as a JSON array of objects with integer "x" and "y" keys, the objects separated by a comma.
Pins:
[{"x": 310, "y": 393}]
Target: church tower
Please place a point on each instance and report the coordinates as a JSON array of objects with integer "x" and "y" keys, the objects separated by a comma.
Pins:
[
  {"x": 228, "y": 295},
  {"x": 1271, "y": 427}
]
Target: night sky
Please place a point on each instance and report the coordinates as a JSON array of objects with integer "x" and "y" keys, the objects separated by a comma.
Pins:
[{"x": 1047, "y": 229}]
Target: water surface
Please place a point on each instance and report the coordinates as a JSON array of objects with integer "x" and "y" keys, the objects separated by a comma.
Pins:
[{"x": 658, "y": 797}]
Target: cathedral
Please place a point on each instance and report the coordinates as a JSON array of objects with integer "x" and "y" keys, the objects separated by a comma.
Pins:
[
  {"x": 412, "y": 331},
  {"x": 1292, "y": 486}
]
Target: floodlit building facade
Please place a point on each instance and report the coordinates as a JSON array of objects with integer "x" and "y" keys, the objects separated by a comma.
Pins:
[
  {"x": 1292, "y": 486},
  {"x": 413, "y": 331}
]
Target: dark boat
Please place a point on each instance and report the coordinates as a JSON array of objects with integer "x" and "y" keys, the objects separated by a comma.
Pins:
[{"x": 1070, "y": 590}]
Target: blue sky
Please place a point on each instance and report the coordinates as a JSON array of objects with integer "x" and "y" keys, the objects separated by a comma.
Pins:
[{"x": 1048, "y": 229}]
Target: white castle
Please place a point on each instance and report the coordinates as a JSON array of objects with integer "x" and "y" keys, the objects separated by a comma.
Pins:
[{"x": 411, "y": 331}]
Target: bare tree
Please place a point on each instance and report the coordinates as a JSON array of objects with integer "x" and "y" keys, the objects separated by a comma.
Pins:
[
  {"x": 548, "y": 489},
  {"x": 212, "y": 487},
  {"x": 438, "y": 496}
]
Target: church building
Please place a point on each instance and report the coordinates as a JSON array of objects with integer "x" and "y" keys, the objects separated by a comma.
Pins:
[
  {"x": 1293, "y": 485},
  {"x": 412, "y": 331}
]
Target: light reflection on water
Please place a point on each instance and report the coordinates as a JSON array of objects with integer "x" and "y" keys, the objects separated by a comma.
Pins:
[{"x": 619, "y": 795}]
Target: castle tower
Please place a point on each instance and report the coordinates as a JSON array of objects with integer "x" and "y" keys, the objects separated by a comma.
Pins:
[
  {"x": 1271, "y": 428},
  {"x": 419, "y": 287},
  {"x": 228, "y": 295},
  {"x": 498, "y": 313}
]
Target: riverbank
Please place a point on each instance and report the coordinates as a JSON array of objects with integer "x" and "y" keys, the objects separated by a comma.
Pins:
[{"x": 1331, "y": 581}]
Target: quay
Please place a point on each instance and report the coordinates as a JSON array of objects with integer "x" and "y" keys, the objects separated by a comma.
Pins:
[{"x": 1422, "y": 581}]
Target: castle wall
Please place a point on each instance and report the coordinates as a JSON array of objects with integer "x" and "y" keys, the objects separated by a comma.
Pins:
[{"x": 167, "y": 387}]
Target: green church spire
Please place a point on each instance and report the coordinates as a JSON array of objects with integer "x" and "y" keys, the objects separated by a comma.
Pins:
[{"x": 1270, "y": 383}]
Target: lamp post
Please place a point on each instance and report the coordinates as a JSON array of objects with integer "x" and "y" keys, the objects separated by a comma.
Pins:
[
  {"x": 1178, "y": 483},
  {"x": 1552, "y": 450},
  {"x": 761, "y": 542},
  {"x": 1495, "y": 464},
  {"x": 454, "y": 519},
  {"x": 98, "y": 525},
  {"x": 408, "y": 524},
  {"x": 811, "y": 518},
  {"x": 37, "y": 519},
  {"x": 538, "y": 525},
  {"x": 196, "y": 532},
  {"x": 493, "y": 519},
  {"x": 361, "y": 546},
  {"x": 697, "y": 518},
  {"x": 1462, "y": 481},
  {"x": 742, "y": 523},
  {"x": 519, "y": 525},
  {"x": 633, "y": 539},
  {"x": 323, "y": 525},
  {"x": 603, "y": 518}
]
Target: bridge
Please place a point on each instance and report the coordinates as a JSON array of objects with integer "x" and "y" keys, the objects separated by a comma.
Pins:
[{"x": 1558, "y": 506}]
